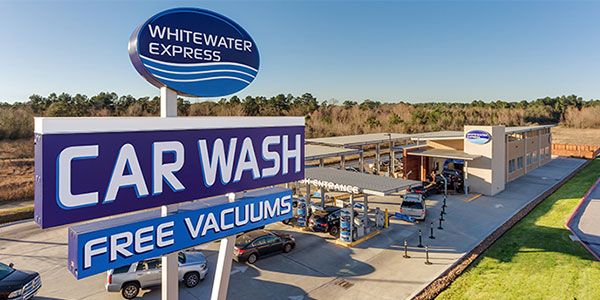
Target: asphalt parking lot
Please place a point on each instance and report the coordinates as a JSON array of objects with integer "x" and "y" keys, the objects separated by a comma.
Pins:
[{"x": 317, "y": 268}]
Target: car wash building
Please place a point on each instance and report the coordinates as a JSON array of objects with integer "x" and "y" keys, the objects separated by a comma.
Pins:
[{"x": 487, "y": 157}]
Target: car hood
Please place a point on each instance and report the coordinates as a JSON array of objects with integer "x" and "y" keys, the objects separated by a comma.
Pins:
[{"x": 17, "y": 280}]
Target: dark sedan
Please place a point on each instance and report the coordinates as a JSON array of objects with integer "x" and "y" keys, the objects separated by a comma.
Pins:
[
  {"x": 326, "y": 220},
  {"x": 16, "y": 284},
  {"x": 251, "y": 246}
]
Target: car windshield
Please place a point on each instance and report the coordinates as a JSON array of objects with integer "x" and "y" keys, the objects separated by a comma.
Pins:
[
  {"x": 413, "y": 205},
  {"x": 5, "y": 270},
  {"x": 412, "y": 198},
  {"x": 244, "y": 240}
]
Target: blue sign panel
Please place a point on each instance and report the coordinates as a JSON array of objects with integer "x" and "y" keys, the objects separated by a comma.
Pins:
[
  {"x": 195, "y": 52},
  {"x": 479, "y": 137},
  {"x": 88, "y": 168},
  {"x": 105, "y": 245}
]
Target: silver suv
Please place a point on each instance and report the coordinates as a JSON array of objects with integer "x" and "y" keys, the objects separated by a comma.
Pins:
[{"x": 147, "y": 273}]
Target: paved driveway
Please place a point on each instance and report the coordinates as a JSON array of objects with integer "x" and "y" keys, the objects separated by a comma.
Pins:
[
  {"x": 585, "y": 222},
  {"x": 317, "y": 268}
]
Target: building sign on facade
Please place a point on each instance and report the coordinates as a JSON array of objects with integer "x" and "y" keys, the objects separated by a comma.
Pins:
[
  {"x": 101, "y": 246},
  {"x": 479, "y": 137},
  {"x": 194, "y": 52},
  {"x": 89, "y": 168}
]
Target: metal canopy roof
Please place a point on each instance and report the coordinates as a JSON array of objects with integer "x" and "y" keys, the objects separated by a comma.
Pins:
[
  {"x": 438, "y": 135},
  {"x": 519, "y": 129},
  {"x": 444, "y": 153},
  {"x": 367, "y": 183},
  {"x": 314, "y": 152},
  {"x": 360, "y": 139}
]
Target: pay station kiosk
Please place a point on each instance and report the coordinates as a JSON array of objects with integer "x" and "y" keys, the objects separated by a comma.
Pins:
[{"x": 356, "y": 219}]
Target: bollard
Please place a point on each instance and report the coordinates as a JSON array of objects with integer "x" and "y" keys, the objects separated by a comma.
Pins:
[
  {"x": 387, "y": 219},
  {"x": 420, "y": 245},
  {"x": 440, "y": 227},
  {"x": 427, "y": 262},
  {"x": 431, "y": 231},
  {"x": 442, "y": 215},
  {"x": 405, "y": 250}
]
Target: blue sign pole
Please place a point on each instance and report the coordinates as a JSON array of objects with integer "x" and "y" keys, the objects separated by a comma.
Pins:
[
  {"x": 346, "y": 225},
  {"x": 302, "y": 212}
]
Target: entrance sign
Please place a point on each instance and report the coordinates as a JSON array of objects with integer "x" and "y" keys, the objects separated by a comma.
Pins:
[
  {"x": 105, "y": 245},
  {"x": 195, "y": 52},
  {"x": 88, "y": 168},
  {"x": 332, "y": 186},
  {"x": 479, "y": 137}
]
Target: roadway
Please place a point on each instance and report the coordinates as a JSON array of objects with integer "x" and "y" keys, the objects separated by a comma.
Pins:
[{"x": 585, "y": 223}]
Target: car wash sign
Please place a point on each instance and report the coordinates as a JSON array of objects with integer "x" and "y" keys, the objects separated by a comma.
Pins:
[
  {"x": 105, "y": 245},
  {"x": 479, "y": 137},
  {"x": 195, "y": 52},
  {"x": 87, "y": 168}
]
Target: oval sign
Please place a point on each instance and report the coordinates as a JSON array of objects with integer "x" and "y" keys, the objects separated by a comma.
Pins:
[
  {"x": 479, "y": 137},
  {"x": 195, "y": 52}
]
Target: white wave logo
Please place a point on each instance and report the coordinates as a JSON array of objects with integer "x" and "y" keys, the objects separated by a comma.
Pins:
[{"x": 197, "y": 72}]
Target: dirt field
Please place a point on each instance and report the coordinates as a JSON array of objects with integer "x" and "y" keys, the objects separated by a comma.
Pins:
[{"x": 562, "y": 135}]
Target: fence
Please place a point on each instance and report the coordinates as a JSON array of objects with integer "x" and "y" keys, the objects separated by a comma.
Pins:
[{"x": 572, "y": 150}]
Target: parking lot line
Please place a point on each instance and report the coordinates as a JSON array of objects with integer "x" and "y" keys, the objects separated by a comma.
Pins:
[{"x": 473, "y": 198}]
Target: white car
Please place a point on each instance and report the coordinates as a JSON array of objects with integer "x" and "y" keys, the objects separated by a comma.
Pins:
[
  {"x": 130, "y": 279},
  {"x": 413, "y": 205}
]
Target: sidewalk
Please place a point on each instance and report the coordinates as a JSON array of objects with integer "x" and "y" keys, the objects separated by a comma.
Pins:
[{"x": 585, "y": 221}]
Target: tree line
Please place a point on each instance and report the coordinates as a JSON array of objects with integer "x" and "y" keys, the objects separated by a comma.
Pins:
[{"x": 323, "y": 118}]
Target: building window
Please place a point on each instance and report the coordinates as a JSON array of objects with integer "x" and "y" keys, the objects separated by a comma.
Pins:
[
  {"x": 511, "y": 166},
  {"x": 534, "y": 157},
  {"x": 519, "y": 163},
  {"x": 528, "y": 159}
]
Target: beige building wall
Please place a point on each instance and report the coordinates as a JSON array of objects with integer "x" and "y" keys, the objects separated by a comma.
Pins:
[
  {"x": 456, "y": 144},
  {"x": 487, "y": 175},
  {"x": 515, "y": 150},
  {"x": 527, "y": 151}
]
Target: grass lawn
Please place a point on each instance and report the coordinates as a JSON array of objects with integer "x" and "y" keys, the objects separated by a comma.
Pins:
[{"x": 536, "y": 259}]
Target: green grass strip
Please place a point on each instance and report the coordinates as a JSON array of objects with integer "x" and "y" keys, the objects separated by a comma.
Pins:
[{"x": 536, "y": 259}]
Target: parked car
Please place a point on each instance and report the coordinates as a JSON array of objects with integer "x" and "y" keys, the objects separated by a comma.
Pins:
[
  {"x": 413, "y": 204},
  {"x": 429, "y": 188},
  {"x": 251, "y": 246},
  {"x": 145, "y": 274},
  {"x": 327, "y": 220},
  {"x": 18, "y": 284},
  {"x": 455, "y": 179}
]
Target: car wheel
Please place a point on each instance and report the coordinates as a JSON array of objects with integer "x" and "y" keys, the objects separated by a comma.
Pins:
[
  {"x": 287, "y": 248},
  {"x": 191, "y": 279},
  {"x": 252, "y": 258},
  {"x": 130, "y": 290},
  {"x": 335, "y": 231}
]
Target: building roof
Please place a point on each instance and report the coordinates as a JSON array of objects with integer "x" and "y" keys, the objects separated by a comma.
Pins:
[
  {"x": 359, "y": 139},
  {"x": 444, "y": 153},
  {"x": 438, "y": 135},
  {"x": 519, "y": 129},
  {"x": 314, "y": 152},
  {"x": 366, "y": 183}
]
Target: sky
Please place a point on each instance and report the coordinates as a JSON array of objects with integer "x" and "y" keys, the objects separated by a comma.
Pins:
[{"x": 386, "y": 51}]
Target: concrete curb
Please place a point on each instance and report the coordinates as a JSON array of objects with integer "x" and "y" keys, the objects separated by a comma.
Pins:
[
  {"x": 438, "y": 285},
  {"x": 568, "y": 224}
]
